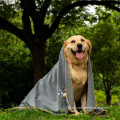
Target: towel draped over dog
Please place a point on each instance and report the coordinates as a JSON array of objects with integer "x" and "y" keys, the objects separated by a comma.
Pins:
[{"x": 54, "y": 92}]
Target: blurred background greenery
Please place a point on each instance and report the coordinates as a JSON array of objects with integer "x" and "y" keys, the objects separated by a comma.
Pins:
[{"x": 102, "y": 28}]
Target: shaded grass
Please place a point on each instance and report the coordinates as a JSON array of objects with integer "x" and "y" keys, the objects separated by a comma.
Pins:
[{"x": 113, "y": 113}]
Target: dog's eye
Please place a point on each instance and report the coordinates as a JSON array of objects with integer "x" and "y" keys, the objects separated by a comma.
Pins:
[
  {"x": 73, "y": 41},
  {"x": 82, "y": 40}
]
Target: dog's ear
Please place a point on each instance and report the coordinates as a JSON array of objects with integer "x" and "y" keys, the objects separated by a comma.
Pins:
[
  {"x": 65, "y": 44},
  {"x": 90, "y": 46}
]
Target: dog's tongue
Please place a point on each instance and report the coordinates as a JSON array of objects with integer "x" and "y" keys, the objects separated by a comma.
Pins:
[{"x": 79, "y": 55}]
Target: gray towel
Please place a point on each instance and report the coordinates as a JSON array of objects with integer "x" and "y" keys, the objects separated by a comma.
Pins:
[{"x": 54, "y": 93}]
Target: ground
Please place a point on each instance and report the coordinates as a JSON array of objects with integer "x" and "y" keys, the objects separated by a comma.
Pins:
[{"x": 113, "y": 113}]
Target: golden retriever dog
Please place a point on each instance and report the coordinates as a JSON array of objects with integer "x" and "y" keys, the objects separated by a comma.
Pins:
[{"x": 77, "y": 50}]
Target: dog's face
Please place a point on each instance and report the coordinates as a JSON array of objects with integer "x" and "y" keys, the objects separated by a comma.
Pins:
[{"x": 77, "y": 47}]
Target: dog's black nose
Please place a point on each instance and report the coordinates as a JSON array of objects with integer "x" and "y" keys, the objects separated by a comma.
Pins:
[{"x": 79, "y": 45}]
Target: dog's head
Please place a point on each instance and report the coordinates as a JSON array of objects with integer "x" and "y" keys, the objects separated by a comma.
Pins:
[{"x": 77, "y": 47}]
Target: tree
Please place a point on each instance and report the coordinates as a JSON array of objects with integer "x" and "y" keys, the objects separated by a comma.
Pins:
[
  {"x": 35, "y": 12},
  {"x": 106, "y": 52}
]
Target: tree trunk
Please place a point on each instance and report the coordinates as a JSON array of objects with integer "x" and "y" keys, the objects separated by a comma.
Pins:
[
  {"x": 39, "y": 66},
  {"x": 108, "y": 96}
]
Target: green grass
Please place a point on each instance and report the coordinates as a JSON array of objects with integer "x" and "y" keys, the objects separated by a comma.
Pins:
[{"x": 113, "y": 113}]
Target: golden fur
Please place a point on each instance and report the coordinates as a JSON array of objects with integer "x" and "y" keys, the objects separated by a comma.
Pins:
[{"x": 78, "y": 67}]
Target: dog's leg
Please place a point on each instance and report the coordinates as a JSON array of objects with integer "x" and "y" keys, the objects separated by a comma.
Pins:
[
  {"x": 84, "y": 102},
  {"x": 75, "y": 110}
]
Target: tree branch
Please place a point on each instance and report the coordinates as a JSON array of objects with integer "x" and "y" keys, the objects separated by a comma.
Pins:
[
  {"x": 104, "y": 84},
  {"x": 43, "y": 9},
  {"x": 80, "y": 3},
  {"x": 26, "y": 23},
  {"x": 113, "y": 7},
  {"x": 28, "y": 6},
  {"x": 29, "y": 10},
  {"x": 6, "y": 25},
  {"x": 38, "y": 18}
]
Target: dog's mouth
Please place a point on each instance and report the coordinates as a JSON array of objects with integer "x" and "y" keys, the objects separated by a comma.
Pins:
[{"x": 79, "y": 54}]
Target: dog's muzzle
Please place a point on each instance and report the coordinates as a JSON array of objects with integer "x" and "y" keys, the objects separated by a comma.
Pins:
[{"x": 79, "y": 53}]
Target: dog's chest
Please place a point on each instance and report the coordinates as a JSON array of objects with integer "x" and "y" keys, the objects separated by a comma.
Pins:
[
  {"x": 79, "y": 80},
  {"x": 78, "y": 75}
]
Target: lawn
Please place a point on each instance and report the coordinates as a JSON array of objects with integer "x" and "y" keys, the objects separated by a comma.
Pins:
[{"x": 113, "y": 113}]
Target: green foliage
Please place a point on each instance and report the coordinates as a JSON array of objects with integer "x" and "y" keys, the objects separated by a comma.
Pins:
[
  {"x": 105, "y": 52},
  {"x": 100, "y": 97},
  {"x": 4, "y": 8},
  {"x": 116, "y": 91},
  {"x": 53, "y": 46},
  {"x": 15, "y": 69},
  {"x": 114, "y": 99},
  {"x": 98, "y": 83},
  {"x": 79, "y": 14}
]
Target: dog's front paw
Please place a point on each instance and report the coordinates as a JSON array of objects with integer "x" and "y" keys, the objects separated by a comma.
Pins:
[
  {"x": 84, "y": 111},
  {"x": 77, "y": 113}
]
